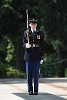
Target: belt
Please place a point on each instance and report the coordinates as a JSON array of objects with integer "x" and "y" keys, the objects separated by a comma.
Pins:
[{"x": 35, "y": 45}]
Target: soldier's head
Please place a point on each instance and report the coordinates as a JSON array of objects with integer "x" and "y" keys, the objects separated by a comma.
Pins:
[{"x": 33, "y": 23}]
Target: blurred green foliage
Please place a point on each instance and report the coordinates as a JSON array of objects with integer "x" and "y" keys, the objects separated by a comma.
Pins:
[{"x": 52, "y": 19}]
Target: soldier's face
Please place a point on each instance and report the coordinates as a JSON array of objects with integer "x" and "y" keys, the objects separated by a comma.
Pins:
[{"x": 33, "y": 25}]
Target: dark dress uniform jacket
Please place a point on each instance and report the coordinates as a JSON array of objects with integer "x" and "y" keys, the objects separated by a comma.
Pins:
[{"x": 36, "y": 52}]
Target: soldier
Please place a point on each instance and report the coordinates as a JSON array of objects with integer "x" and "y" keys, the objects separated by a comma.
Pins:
[{"x": 33, "y": 42}]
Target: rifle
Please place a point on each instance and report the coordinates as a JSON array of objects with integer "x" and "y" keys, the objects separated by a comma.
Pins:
[
  {"x": 27, "y": 26},
  {"x": 27, "y": 17}
]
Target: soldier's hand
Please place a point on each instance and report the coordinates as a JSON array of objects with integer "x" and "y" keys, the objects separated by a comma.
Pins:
[
  {"x": 28, "y": 45},
  {"x": 41, "y": 62}
]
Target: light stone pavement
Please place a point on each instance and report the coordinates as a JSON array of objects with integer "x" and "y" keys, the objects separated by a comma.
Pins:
[{"x": 49, "y": 89}]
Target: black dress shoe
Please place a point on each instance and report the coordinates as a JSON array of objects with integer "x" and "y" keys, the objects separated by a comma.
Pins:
[
  {"x": 30, "y": 93},
  {"x": 35, "y": 93}
]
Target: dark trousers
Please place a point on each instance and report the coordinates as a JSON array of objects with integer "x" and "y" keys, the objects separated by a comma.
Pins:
[{"x": 32, "y": 71}]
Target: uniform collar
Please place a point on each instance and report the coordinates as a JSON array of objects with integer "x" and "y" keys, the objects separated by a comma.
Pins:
[{"x": 33, "y": 30}]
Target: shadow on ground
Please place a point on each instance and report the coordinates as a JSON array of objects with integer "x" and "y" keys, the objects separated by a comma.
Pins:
[{"x": 40, "y": 96}]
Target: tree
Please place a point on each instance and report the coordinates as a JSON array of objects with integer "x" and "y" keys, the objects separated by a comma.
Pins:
[
  {"x": 55, "y": 24},
  {"x": 51, "y": 16}
]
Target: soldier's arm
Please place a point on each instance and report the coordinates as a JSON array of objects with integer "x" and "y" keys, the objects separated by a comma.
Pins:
[
  {"x": 24, "y": 40},
  {"x": 26, "y": 45}
]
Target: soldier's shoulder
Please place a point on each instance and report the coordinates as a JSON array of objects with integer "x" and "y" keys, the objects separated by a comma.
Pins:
[
  {"x": 26, "y": 31},
  {"x": 40, "y": 31}
]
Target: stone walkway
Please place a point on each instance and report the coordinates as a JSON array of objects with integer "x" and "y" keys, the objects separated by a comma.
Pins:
[{"x": 49, "y": 89}]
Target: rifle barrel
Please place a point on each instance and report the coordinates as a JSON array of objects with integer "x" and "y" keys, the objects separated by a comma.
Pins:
[{"x": 27, "y": 17}]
